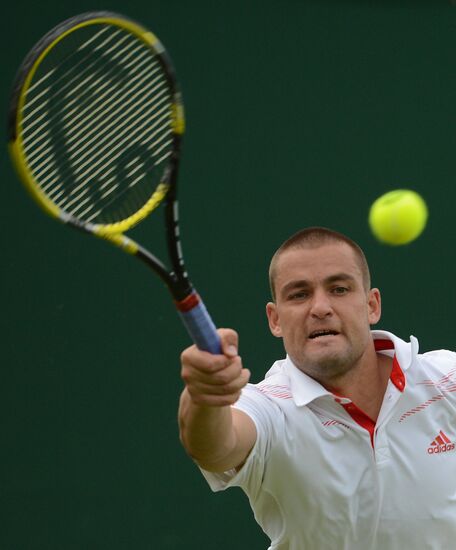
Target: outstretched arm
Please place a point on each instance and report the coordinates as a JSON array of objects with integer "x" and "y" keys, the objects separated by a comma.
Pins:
[{"x": 217, "y": 436}]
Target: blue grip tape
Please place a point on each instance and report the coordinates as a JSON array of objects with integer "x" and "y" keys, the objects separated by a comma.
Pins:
[{"x": 201, "y": 328}]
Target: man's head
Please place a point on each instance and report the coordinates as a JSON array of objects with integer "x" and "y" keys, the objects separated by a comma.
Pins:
[
  {"x": 323, "y": 305},
  {"x": 314, "y": 237}
]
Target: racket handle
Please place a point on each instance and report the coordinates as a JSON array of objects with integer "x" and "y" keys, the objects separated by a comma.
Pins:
[{"x": 199, "y": 324}]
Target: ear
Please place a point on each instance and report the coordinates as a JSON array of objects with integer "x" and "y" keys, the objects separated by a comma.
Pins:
[
  {"x": 273, "y": 319},
  {"x": 374, "y": 304}
]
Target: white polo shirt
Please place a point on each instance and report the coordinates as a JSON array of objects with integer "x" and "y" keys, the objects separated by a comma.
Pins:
[{"x": 323, "y": 476}]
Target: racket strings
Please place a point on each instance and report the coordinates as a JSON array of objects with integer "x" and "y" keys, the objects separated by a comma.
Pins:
[
  {"x": 95, "y": 113},
  {"x": 90, "y": 128},
  {"x": 97, "y": 125},
  {"x": 66, "y": 103},
  {"x": 69, "y": 59},
  {"x": 94, "y": 146},
  {"x": 83, "y": 121}
]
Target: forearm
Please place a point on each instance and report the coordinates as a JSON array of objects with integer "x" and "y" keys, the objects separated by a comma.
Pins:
[
  {"x": 207, "y": 433},
  {"x": 217, "y": 436}
]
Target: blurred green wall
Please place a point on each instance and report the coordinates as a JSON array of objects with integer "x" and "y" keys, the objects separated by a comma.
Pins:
[{"x": 299, "y": 113}]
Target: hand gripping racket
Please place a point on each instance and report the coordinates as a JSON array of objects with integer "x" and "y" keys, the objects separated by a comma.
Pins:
[{"x": 95, "y": 127}]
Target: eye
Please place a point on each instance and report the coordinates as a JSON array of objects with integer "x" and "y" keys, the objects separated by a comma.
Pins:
[
  {"x": 340, "y": 290},
  {"x": 298, "y": 295}
]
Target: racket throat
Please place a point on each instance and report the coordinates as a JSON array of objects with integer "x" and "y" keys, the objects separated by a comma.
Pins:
[
  {"x": 179, "y": 286},
  {"x": 173, "y": 232}
]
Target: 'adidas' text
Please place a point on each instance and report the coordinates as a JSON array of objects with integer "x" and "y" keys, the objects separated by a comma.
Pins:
[
  {"x": 441, "y": 444},
  {"x": 441, "y": 448}
]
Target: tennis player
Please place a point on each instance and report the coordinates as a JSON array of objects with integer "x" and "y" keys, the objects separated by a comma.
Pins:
[{"x": 348, "y": 442}]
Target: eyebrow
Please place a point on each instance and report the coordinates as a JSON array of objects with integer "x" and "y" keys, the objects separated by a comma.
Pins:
[
  {"x": 340, "y": 277},
  {"x": 304, "y": 283}
]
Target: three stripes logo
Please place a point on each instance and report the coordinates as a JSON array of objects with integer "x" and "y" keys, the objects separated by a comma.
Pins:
[{"x": 441, "y": 444}]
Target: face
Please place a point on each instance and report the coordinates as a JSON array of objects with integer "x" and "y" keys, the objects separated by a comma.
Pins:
[{"x": 322, "y": 310}]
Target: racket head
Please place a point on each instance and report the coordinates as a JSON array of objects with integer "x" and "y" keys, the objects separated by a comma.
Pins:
[{"x": 95, "y": 122}]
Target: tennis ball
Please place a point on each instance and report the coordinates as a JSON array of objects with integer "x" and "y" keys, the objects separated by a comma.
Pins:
[{"x": 398, "y": 217}]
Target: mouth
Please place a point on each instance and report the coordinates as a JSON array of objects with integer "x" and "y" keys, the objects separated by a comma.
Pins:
[{"x": 323, "y": 333}]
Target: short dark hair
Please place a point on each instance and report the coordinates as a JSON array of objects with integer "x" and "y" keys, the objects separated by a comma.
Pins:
[{"x": 314, "y": 237}]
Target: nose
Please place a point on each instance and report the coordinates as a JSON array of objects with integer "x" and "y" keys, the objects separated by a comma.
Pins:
[{"x": 321, "y": 306}]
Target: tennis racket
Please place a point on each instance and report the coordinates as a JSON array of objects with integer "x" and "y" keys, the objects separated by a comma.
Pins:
[{"x": 95, "y": 126}]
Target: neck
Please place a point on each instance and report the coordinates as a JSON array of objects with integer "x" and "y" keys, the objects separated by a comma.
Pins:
[{"x": 365, "y": 384}]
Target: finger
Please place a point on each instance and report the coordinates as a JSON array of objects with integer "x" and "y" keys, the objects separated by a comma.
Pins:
[
  {"x": 204, "y": 362},
  {"x": 205, "y": 396},
  {"x": 215, "y": 375},
  {"x": 209, "y": 388},
  {"x": 229, "y": 341}
]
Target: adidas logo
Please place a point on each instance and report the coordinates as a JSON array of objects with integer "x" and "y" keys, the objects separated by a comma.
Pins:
[{"x": 441, "y": 444}]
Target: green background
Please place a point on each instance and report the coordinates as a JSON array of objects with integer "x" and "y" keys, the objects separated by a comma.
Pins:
[{"x": 299, "y": 113}]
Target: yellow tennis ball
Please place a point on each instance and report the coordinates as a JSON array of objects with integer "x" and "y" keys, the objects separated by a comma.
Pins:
[{"x": 398, "y": 217}]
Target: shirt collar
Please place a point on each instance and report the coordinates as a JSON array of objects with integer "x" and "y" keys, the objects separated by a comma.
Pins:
[{"x": 305, "y": 389}]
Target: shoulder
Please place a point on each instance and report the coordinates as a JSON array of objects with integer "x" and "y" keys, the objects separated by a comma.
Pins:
[
  {"x": 438, "y": 363},
  {"x": 263, "y": 401},
  {"x": 441, "y": 359},
  {"x": 276, "y": 384}
]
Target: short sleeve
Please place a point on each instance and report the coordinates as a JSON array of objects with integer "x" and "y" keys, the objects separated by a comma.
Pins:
[{"x": 267, "y": 417}]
